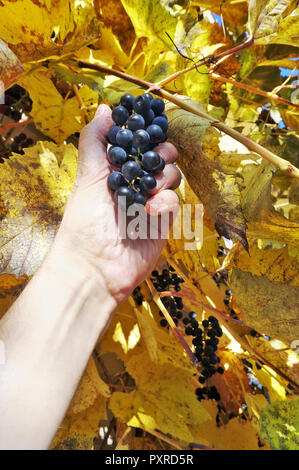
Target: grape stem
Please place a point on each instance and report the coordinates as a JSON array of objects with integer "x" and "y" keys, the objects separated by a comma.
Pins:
[{"x": 281, "y": 163}]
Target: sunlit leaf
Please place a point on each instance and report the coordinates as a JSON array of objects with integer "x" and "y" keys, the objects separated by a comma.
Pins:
[
  {"x": 34, "y": 190},
  {"x": 279, "y": 424},
  {"x": 37, "y": 30}
]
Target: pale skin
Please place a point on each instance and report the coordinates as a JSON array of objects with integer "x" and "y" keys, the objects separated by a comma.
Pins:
[{"x": 50, "y": 331}]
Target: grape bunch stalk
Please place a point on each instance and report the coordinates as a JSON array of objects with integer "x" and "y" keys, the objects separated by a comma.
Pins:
[{"x": 139, "y": 125}]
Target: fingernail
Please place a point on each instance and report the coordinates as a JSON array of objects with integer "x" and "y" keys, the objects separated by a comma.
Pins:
[{"x": 102, "y": 109}]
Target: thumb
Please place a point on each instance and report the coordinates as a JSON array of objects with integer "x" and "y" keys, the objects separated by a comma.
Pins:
[{"x": 93, "y": 144}]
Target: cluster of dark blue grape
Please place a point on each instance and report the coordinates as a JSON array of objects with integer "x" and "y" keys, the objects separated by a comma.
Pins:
[
  {"x": 137, "y": 296},
  {"x": 205, "y": 339},
  {"x": 206, "y": 342},
  {"x": 139, "y": 125},
  {"x": 169, "y": 280}
]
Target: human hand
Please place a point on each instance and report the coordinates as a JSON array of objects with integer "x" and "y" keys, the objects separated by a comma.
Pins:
[{"x": 121, "y": 263}]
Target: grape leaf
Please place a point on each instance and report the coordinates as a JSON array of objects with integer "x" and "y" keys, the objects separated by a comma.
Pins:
[
  {"x": 267, "y": 306},
  {"x": 274, "y": 21},
  {"x": 10, "y": 67},
  {"x": 217, "y": 190},
  {"x": 164, "y": 399},
  {"x": 90, "y": 387},
  {"x": 151, "y": 19},
  {"x": 53, "y": 115},
  {"x": 262, "y": 219},
  {"x": 37, "y": 30},
  {"x": 279, "y": 424},
  {"x": 114, "y": 16},
  {"x": 277, "y": 264},
  {"x": 235, "y": 435},
  {"x": 34, "y": 189},
  {"x": 78, "y": 431}
]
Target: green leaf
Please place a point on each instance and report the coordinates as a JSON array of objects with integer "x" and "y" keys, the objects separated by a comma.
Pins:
[{"x": 279, "y": 424}]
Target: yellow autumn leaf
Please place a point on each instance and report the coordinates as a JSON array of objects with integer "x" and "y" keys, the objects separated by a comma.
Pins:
[
  {"x": 274, "y": 21},
  {"x": 114, "y": 16},
  {"x": 54, "y": 115},
  {"x": 263, "y": 221},
  {"x": 276, "y": 353},
  {"x": 150, "y": 18},
  {"x": 235, "y": 435},
  {"x": 267, "y": 306},
  {"x": 78, "y": 431},
  {"x": 37, "y": 30},
  {"x": 123, "y": 335},
  {"x": 278, "y": 264},
  {"x": 34, "y": 189},
  {"x": 164, "y": 399},
  {"x": 90, "y": 387}
]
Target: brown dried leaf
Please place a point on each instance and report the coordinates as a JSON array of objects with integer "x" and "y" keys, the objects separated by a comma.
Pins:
[
  {"x": 217, "y": 190},
  {"x": 10, "y": 67}
]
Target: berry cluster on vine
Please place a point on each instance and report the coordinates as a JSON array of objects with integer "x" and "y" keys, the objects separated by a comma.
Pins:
[
  {"x": 140, "y": 124},
  {"x": 205, "y": 334}
]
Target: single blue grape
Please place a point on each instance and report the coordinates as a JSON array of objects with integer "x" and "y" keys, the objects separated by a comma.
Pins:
[
  {"x": 139, "y": 198},
  {"x": 149, "y": 117},
  {"x": 131, "y": 170},
  {"x": 160, "y": 121},
  {"x": 127, "y": 101},
  {"x": 149, "y": 96},
  {"x": 112, "y": 134},
  {"x": 157, "y": 106},
  {"x": 159, "y": 168},
  {"x": 164, "y": 138},
  {"x": 142, "y": 104},
  {"x": 156, "y": 134},
  {"x": 135, "y": 122},
  {"x": 115, "y": 180},
  {"x": 150, "y": 160},
  {"x": 124, "y": 196},
  {"x": 117, "y": 155},
  {"x": 147, "y": 183},
  {"x": 124, "y": 137},
  {"x": 131, "y": 150},
  {"x": 120, "y": 114},
  {"x": 141, "y": 139}
]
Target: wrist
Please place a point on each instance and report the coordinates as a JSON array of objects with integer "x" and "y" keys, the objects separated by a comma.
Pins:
[{"x": 81, "y": 280}]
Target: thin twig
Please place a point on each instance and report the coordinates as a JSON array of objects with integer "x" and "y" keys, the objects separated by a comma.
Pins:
[
  {"x": 81, "y": 104},
  {"x": 267, "y": 94}
]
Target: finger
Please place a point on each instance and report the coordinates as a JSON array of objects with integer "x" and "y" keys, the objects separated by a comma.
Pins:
[
  {"x": 167, "y": 151},
  {"x": 93, "y": 144},
  {"x": 169, "y": 178},
  {"x": 162, "y": 202}
]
